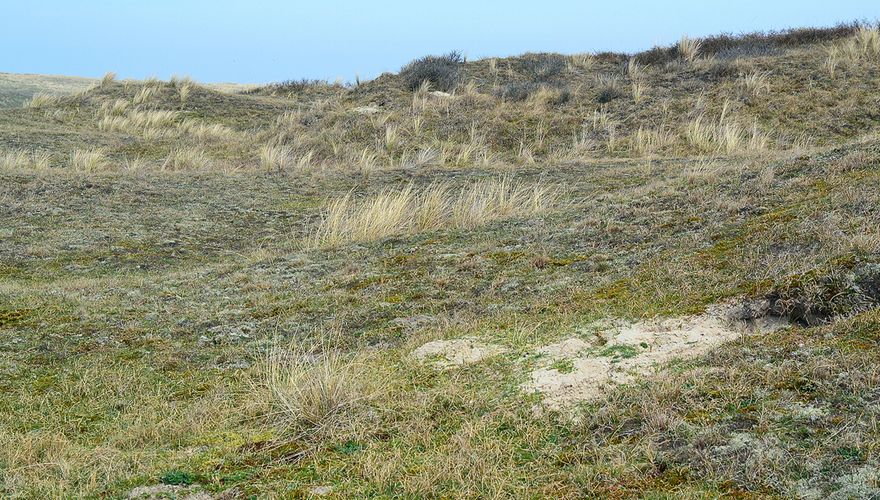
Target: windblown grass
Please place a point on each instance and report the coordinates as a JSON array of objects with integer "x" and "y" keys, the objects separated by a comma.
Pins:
[
  {"x": 755, "y": 83},
  {"x": 862, "y": 47},
  {"x": 638, "y": 91},
  {"x": 116, "y": 107},
  {"x": 725, "y": 136},
  {"x": 23, "y": 160},
  {"x": 437, "y": 206},
  {"x": 312, "y": 389},
  {"x": 274, "y": 158},
  {"x": 647, "y": 141},
  {"x": 186, "y": 159},
  {"x": 206, "y": 131},
  {"x": 150, "y": 123},
  {"x": 42, "y": 100},
  {"x": 88, "y": 160},
  {"x": 689, "y": 48},
  {"x": 108, "y": 79}
]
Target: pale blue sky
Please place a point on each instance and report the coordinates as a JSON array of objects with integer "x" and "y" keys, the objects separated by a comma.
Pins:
[{"x": 270, "y": 40}]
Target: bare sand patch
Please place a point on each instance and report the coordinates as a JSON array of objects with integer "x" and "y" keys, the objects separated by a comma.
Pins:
[
  {"x": 567, "y": 348},
  {"x": 632, "y": 350},
  {"x": 366, "y": 110},
  {"x": 456, "y": 352},
  {"x": 168, "y": 491}
]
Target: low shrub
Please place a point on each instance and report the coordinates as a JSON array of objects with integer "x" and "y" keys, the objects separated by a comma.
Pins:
[
  {"x": 517, "y": 91},
  {"x": 442, "y": 72}
]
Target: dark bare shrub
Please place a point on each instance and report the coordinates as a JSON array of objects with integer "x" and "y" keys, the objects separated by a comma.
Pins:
[
  {"x": 442, "y": 72},
  {"x": 291, "y": 87},
  {"x": 543, "y": 67},
  {"x": 517, "y": 91},
  {"x": 818, "y": 297},
  {"x": 755, "y": 44}
]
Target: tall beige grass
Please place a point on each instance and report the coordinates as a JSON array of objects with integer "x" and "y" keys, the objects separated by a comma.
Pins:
[
  {"x": 183, "y": 91},
  {"x": 755, "y": 83},
  {"x": 866, "y": 41},
  {"x": 275, "y": 158},
  {"x": 24, "y": 160},
  {"x": 366, "y": 162},
  {"x": 108, "y": 79},
  {"x": 410, "y": 210},
  {"x": 585, "y": 62},
  {"x": 42, "y": 100},
  {"x": 186, "y": 159},
  {"x": 205, "y": 131},
  {"x": 314, "y": 389},
  {"x": 634, "y": 70},
  {"x": 607, "y": 82},
  {"x": 689, "y": 48},
  {"x": 638, "y": 90},
  {"x": 116, "y": 107},
  {"x": 145, "y": 94},
  {"x": 150, "y": 123},
  {"x": 88, "y": 160},
  {"x": 862, "y": 47},
  {"x": 724, "y": 136},
  {"x": 648, "y": 141},
  {"x": 832, "y": 60}
]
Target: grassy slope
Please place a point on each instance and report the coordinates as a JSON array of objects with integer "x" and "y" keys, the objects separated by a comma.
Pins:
[
  {"x": 133, "y": 306},
  {"x": 16, "y": 89}
]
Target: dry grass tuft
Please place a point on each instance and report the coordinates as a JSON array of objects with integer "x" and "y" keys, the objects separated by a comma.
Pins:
[
  {"x": 584, "y": 62},
  {"x": 145, "y": 94},
  {"x": 862, "y": 47},
  {"x": 117, "y": 107},
  {"x": 186, "y": 159},
  {"x": 647, "y": 142},
  {"x": 274, "y": 158},
  {"x": 411, "y": 210},
  {"x": 700, "y": 134},
  {"x": 726, "y": 136},
  {"x": 204, "y": 131},
  {"x": 391, "y": 137},
  {"x": 689, "y": 48},
  {"x": 108, "y": 79},
  {"x": 149, "y": 124},
  {"x": 89, "y": 160},
  {"x": 606, "y": 82},
  {"x": 134, "y": 164},
  {"x": 366, "y": 162},
  {"x": 23, "y": 160},
  {"x": 638, "y": 90},
  {"x": 755, "y": 83},
  {"x": 832, "y": 60},
  {"x": 634, "y": 70},
  {"x": 42, "y": 100},
  {"x": 309, "y": 389},
  {"x": 866, "y": 41},
  {"x": 183, "y": 91},
  {"x": 602, "y": 127}
]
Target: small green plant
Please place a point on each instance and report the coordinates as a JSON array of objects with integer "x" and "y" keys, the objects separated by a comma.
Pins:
[
  {"x": 178, "y": 478},
  {"x": 563, "y": 366},
  {"x": 619, "y": 351},
  {"x": 348, "y": 447}
]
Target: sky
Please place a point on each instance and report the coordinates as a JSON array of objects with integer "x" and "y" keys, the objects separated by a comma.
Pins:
[{"x": 272, "y": 40}]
